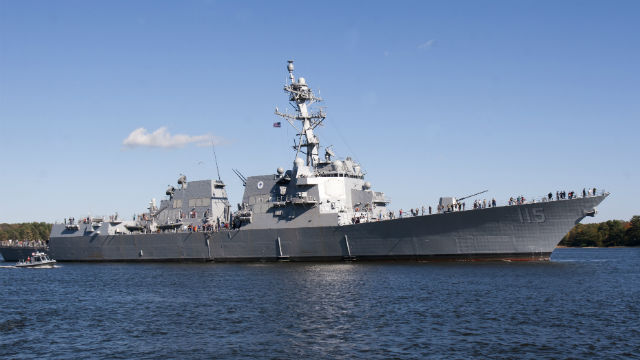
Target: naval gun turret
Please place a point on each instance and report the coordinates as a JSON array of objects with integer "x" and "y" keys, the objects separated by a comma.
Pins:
[{"x": 451, "y": 203}]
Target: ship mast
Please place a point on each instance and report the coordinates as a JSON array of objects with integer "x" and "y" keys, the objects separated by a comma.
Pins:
[{"x": 301, "y": 98}]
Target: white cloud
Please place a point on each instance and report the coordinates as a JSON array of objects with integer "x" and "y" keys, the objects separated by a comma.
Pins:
[
  {"x": 427, "y": 44},
  {"x": 163, "y": 139}
]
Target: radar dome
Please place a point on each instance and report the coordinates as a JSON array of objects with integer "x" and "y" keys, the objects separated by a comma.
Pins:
[
  {"x": 280, "y": 171},
  {"x": 298, "y": 162},
  {"x": 367, "y": 185},
  {"x": 302, "y": 81},
  {"x": 182, "y": 181},
  {"x": 337, "y": 165}
]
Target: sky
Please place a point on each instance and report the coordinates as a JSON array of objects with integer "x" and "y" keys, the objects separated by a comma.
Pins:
[{"x": 105, "y": 103}]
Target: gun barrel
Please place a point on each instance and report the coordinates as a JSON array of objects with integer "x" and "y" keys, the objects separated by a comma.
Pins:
[{"x": 468, "y": 196}]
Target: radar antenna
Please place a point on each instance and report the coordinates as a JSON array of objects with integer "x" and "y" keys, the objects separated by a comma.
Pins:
[
  {"x": 328, "y": 153},
  {"x": 301, "y": 98}
]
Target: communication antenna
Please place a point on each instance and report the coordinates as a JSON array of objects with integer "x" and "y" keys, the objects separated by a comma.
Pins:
[{"x": 215, "y": 158}]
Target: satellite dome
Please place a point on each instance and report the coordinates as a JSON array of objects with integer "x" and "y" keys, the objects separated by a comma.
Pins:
[
  {"x": 298, "y": 162},
  {"x": 367, "y": 185},
  {"x": 182, "y": 181},
  {"x": 280, "y": 171},
  {"x": 337, "y": 165},
  {"x": 302, "y": 81}
]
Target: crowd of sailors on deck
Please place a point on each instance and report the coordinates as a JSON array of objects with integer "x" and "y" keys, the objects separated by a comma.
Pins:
[
  {"x": 563, "y": 195},
  {"x": 484, "y": 203},
  {"x": 206, "y": 227},
  {"x": 72, "y": 221},
  {"x": 23, "y": 243},
  {"x": 455, "y": 207},
  {"x": 418, "y": 211}
]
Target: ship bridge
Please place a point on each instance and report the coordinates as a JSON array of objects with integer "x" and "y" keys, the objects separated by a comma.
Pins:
[{"x": 314, "y": 192}]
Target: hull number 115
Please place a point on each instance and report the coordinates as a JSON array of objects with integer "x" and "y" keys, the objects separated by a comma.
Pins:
[{"x": 534, "y": 215}]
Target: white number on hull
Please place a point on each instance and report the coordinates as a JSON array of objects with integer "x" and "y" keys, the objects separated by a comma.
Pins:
[{"x": 536, "y": 215}]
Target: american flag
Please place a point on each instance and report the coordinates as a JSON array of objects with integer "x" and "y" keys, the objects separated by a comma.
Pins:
[{"x": 277, "y": 124}]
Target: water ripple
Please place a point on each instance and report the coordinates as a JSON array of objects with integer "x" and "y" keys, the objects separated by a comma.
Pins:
[{"x": 583, "y": 304}]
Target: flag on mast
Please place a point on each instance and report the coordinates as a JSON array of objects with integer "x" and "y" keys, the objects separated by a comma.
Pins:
[{"x": 277, "y": 124}]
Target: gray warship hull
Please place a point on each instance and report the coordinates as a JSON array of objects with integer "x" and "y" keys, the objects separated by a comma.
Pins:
[
  {"x": 15, "y": 253},
  {"x": 518, "y": 232}
]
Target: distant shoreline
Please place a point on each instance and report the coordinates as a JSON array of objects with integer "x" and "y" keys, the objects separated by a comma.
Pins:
[{"x": 610, "y": 233}]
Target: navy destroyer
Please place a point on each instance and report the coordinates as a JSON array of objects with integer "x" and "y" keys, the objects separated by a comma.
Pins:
[{"x": 321, "y": 209}]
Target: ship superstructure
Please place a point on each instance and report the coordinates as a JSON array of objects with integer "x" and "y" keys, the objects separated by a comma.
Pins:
[
  {"x": 319, "y": 191},
  {"x": 194, "y": 205},
  {"x": 320, "y": 209}
]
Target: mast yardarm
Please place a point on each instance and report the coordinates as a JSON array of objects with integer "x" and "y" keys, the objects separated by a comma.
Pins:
[{"x": 302, "y": 97}]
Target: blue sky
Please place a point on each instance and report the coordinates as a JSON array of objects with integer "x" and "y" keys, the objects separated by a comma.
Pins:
[{"x": 432, "y": 98}]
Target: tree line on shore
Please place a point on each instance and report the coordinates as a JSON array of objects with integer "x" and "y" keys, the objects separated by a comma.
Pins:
[
  {"x": 25, "y": 231},
  {"x": 604, "y": 234}
]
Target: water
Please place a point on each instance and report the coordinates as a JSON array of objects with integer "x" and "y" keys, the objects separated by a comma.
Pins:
[{"x": 582, "y": 304}]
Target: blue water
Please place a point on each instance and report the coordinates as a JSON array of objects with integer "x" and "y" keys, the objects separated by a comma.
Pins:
[{"x": 585, "y": 303}]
